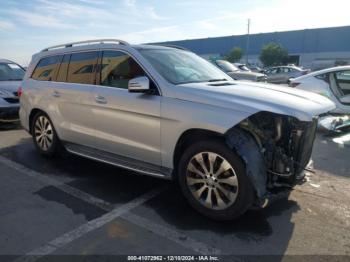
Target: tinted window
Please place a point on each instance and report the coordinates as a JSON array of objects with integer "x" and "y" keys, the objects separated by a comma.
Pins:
[
  {"x": 47, "y": 68},
  {"x": 10, "y": 71},
  {"x": 62, "y": 72},
  {"x": 117, "y": 68},
  {"x": 81, "y": 68}
]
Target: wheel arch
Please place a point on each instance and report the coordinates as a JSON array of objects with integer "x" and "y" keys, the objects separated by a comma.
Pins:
[
  {"x": 189, "y": 137},
  {"x": 33, "y": 112}
]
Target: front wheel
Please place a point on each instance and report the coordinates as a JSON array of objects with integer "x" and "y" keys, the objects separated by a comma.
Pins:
[
  {"x": 44, "y": 135},
  {"x": 214, "y": 181}
]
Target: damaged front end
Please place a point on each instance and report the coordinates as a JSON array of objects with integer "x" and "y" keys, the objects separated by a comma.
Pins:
[{"x": 276, "y": 150}]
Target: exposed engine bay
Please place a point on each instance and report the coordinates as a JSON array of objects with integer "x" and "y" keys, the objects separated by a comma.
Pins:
[
  {"x": 285, "y": 146},
  {"x": 285, "y": 142}
]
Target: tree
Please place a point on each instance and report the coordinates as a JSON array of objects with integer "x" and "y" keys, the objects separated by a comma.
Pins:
[
  {"x": 273, "y": 54},
  {"x": 234, "y": 55}
]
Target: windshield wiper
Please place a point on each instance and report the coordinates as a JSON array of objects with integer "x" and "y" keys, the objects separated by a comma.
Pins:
[{"x": 217, "y": 80}]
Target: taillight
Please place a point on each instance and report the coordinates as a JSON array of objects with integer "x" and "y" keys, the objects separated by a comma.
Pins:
[
  {"x": 19, "y": 91},
  {"x": 294, "y": 84}
]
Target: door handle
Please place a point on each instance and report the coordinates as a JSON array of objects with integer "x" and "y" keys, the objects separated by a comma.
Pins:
[
  {"x": 56, "y": 94},
  {"x": 100, "y": 99}
]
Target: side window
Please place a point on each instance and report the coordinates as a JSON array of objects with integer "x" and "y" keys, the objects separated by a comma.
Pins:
[
  {"x": 117, "y": 68},
  {"x": 274, "y": 70},
  {"x": 343, "y": 75},
  {"x": 47, "y": 68},
  {"x": 323, "y": 77},
  {"x": 81, "y": 68},
  {"x": 62, "y": 71}
]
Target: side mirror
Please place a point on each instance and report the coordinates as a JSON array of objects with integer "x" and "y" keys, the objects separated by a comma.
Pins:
[
  {"x": 345, "y": 99},
  {"x": 139, "y": 85}
]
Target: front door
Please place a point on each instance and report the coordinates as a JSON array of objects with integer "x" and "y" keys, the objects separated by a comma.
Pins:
[{"x": 127, "y": 124}]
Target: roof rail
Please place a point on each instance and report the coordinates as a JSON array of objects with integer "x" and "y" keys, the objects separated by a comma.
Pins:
[
  {"x": 86, "y": 42},
  {"x": 172, "y": 46}
]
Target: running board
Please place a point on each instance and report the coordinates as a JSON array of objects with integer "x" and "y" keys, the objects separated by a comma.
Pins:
[{"x": 119, "y": 161}]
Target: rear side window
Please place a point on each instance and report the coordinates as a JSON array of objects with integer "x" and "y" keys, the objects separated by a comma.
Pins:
[
  {"x": 117, "y": 68},
  {"x": 81, "y": 68},
  {"x": 63, "y": 70},
  {"x": 47, "y": 68}
]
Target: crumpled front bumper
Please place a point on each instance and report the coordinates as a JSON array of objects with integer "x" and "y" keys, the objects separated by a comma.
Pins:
[{"x": 9, "y": 114}]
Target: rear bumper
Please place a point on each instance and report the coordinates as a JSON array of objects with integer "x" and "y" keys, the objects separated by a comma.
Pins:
[{"x": 9, "y": 114}]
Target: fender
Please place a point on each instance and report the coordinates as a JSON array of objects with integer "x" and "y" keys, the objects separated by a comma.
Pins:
[{"x": 247, "y": 148}]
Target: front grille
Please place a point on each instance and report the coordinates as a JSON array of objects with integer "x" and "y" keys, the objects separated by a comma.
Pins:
[{"x": 12, "y": 100}]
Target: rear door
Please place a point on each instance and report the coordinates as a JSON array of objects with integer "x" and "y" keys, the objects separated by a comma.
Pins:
[
  {"x": 343, "y": 81},
  {"x": 72, "y": 93},
  {"x": 127, "y": 124}
]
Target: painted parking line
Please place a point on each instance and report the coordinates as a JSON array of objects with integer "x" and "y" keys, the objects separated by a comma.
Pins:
[{"x": 121, "y": 211}]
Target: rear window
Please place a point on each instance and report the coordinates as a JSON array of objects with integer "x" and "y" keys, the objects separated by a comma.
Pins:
[
  {"x": 47, "y": 68},
  {"x": 82, "y": 67}
]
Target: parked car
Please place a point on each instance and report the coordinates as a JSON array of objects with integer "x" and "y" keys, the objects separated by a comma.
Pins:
[
  {"x": 239, "y": 74},
  {"x": 256, "y": 69},
  {"x": 283, "y": 74},
  {"x": 334, "y": 83},
  {"x": 11, "y": 75},
  {"x": 168, "y": 113}
]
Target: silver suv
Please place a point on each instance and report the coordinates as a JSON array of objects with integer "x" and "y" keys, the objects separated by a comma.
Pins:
[{"x": 168, "y": 113}]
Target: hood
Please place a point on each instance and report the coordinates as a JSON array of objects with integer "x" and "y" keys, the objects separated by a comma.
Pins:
[
  {"x": 10, "y": 86},
  {"x": 254, "y": 97}
]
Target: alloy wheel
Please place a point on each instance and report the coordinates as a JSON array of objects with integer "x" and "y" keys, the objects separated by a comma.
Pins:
[
  {"x": 43, "y": 133},
  {"x": 212, "y": 180}
]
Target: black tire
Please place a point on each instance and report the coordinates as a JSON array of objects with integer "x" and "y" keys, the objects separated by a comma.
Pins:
[
  {"x": 55, "y": 146},
  {"x": 245, "y": 196}
]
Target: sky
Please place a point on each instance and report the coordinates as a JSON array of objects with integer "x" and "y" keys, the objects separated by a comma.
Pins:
[{"x": 26, "y": 27}]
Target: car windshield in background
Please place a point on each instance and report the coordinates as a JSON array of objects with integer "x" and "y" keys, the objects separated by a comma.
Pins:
[
  {"x": 11, "y": 72},
  {"x": 227, "y": 66},
  {"x": 182, "y": 67},
  {"x": 244, "y": 68}
]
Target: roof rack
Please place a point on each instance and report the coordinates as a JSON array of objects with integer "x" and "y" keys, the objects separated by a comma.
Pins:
[{"x": 86, "y": 42}]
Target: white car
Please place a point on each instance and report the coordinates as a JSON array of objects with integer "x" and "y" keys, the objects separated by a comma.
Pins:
[{"x": 334, "y": 83}]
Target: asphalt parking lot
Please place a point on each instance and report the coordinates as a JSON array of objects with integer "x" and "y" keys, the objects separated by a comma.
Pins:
[{"x": 73, "y": 206}]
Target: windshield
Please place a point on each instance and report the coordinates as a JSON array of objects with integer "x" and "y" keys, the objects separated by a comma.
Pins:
[
  {"x": 244, "y": 68},
  {"x": 181, "y": 67},
  {"x": 226, "y": 66},
  {"x": 10, "y": 72}
]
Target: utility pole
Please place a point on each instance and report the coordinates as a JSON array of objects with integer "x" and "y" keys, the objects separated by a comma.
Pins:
[{"x": 247, "y": 47}]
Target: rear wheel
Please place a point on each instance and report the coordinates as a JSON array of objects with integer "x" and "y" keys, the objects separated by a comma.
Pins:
[
  {"x": 214, "y": 181},
  {"x": 44, "y": 135}
]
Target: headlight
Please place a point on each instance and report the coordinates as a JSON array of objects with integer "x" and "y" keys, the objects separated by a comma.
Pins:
[{"x": 5, "y": 93}]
